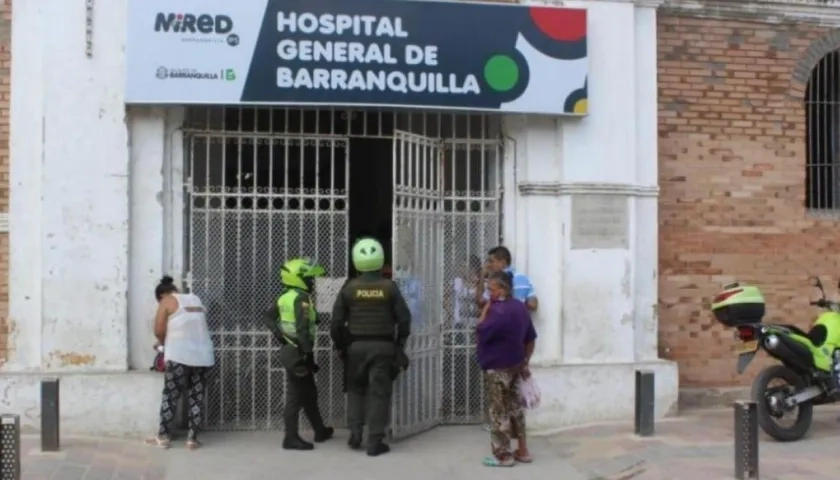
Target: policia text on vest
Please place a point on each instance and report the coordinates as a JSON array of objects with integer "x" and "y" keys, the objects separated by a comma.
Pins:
[
  {"x": 370, "y": 293},
  {"x": 370, "y": 325}
]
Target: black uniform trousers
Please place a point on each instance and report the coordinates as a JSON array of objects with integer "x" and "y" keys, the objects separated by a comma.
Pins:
[
  {"x": 301, "y": 394},
  {"x": 370, "y": 384}
]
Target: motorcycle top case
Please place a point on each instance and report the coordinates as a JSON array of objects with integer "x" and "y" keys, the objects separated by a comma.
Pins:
[{"x": 739, "y": 305}]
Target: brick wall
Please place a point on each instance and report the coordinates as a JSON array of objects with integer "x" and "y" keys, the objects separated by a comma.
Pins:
[
  {"x": 732, "y": 176},
  {"x": 5, "y": 95}
]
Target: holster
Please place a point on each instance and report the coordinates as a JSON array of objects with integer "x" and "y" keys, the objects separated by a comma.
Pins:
[{"x": 400, "y": 363}]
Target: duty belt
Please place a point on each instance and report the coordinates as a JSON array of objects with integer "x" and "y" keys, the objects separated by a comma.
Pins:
[{"x": 384, "y": 338}]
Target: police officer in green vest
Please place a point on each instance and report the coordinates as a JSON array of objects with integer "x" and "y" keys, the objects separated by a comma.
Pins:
[
  {"x": 371, "y": 323},
  {"x": 293, "y": 321}
]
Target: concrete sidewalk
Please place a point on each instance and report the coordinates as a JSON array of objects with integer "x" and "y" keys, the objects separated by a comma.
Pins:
[{"x": 697, "y": 445}]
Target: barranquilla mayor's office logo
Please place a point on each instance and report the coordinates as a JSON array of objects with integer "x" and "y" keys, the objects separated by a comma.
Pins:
[
  {"x": 198, "y": 27},
  {"x": 225, "y": 74}
]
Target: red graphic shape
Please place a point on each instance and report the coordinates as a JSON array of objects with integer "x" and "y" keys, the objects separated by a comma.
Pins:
[{"x": 561, "y": 24}]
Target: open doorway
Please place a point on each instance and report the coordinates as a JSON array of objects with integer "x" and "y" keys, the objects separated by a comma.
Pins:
[
  {"x": 371, "y": 191},
  {"x": 302, "y": 163},
  {"x": 266, "y": 184}
]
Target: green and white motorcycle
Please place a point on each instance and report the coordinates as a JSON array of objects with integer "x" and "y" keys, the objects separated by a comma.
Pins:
[{"x": 808, "y": 375}]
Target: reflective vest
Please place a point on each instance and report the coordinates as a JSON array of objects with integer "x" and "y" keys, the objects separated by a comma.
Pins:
[{"x": 288, "y": 320}]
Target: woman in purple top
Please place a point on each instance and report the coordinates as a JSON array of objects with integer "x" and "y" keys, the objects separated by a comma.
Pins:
[{"x": 505, "y": 341}]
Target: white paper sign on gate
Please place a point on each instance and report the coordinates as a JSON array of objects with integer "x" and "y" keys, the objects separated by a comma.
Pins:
[{"x": 326, "y": 289}]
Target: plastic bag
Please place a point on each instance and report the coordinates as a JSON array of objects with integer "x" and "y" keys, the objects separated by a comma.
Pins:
[
  {"x": 529, "y": 393},
  {"x": 158, "y": 364}
]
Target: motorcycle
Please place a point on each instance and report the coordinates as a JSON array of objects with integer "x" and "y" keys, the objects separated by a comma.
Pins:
[{"x": 808, "y": 359}]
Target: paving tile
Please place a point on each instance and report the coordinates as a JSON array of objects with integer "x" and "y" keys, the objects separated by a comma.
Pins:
[
  {"x": 100, "y": 473},
  {"x": 698, "y": 446},
  {"x": 69, "y": 472}
]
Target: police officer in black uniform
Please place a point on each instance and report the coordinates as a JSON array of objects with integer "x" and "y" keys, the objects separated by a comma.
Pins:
[
  {"x": 293, "y": 321},
  {"x": 370, "y": 323}
]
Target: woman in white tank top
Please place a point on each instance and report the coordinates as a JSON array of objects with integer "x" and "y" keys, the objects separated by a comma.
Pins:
[{"x": 181, "y": 328}]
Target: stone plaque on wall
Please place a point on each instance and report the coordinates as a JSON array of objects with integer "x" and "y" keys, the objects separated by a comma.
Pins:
[{"x": 599, "y": 221}]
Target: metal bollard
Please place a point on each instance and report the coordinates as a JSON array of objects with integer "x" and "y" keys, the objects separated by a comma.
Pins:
[
  {"x": 10, "y": 447},
  {"x": 746, "y": 440},
  {"x": 50, "y": 417},
  {"x": 644, "y": 403}
]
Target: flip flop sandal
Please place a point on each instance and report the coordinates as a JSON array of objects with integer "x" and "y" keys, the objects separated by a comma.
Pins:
[
  {"x": 193, "y": 444},
  {"x": 160, "y": 442},
  {"x": 523, "y": 458},
  {"x": 492, "y": 461}
]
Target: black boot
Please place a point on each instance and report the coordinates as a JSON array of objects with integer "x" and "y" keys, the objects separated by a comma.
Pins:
[
  {"x": 294, "y": 442},
  {"x": 377, "y": 449},
  {"x": 324, "y": 434},
  {"x": 355, "y": 441}
]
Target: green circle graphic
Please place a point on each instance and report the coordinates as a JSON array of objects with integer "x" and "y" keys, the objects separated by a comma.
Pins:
[{"x": 501, "y": 73}]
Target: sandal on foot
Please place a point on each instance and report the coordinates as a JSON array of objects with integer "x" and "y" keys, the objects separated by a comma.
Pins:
[
  {"x": 522, "y": 458},
  {"x": 492, "y": 461},
  {"x": 193, "y": 444},
  {"x": 160, "y": 442}
]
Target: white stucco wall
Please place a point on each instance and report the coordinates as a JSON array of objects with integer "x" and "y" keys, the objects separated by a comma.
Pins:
[
  {"x": 69, "y": 192},
  {"x": 597, "y": 319},
  {"x": 92, "y": 228}
]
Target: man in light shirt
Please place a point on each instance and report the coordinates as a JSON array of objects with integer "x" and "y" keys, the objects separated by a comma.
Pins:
[{"x": 499, "y": 259}]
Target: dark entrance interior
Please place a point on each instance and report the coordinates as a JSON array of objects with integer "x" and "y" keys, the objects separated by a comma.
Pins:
[
  {"x": 371, "y": 188},
  {"x": 361, "y": 160}
]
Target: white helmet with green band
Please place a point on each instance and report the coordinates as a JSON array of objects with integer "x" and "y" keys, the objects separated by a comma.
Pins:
[{"x": 368, "y": 255}]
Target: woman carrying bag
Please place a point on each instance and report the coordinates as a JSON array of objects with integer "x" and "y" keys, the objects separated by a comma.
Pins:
[{"x": 505, "y": 341}]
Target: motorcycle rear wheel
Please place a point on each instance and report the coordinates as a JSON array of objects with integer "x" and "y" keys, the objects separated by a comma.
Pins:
[{"x": 766, "y": 420}]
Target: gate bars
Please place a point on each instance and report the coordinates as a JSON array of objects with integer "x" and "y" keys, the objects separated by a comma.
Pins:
[{"x": 264, "y": 184}]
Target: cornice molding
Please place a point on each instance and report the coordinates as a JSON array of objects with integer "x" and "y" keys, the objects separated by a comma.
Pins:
[
  {"x": 766, "y": 11},
  {"x": 557, "y": 189},
  {"x": 582, "y": 3}
]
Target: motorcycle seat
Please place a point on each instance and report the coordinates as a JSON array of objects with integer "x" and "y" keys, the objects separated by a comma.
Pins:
[
  {"x": 817, "y": 334},
  {"x": 795, "y": 329}
]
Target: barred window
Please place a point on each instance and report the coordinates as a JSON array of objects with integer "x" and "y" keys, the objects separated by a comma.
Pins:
[{"x": 822, "y": 121}]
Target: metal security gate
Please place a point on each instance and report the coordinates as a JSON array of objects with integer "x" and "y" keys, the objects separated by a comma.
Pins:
[
  {"x": 265, "y": 184},
  {"x": 255, "y": 199},
  {"x": 472, "y": 204},
  {"x": 418, "y": 220}
]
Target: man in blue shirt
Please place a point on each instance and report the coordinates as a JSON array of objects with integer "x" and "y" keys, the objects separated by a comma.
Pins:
[{"x": 499, "y": 259}]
